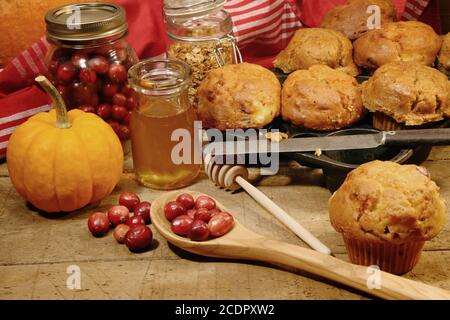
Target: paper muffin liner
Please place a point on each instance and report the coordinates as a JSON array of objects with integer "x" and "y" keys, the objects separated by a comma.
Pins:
[
  {"x": 385, "y": 123},
  {"x": 389, "y": 257}
]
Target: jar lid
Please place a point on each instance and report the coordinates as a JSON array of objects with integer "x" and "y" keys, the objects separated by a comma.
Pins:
[
  {"x": 85, "y": 21},
  {"x": 191, "y": 8}
]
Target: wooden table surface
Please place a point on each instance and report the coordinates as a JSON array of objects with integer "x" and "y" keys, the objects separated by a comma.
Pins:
[{"x": 35, "y": 251}]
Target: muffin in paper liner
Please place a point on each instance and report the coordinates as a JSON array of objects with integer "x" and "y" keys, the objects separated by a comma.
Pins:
[{"x": 389, "y": 257}]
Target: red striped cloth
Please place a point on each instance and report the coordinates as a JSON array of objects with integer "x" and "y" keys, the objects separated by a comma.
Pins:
[{"x": 414, "y": 9}]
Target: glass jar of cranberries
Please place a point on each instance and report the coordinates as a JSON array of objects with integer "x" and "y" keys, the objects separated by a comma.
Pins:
[{"x": 89, "y": 58}]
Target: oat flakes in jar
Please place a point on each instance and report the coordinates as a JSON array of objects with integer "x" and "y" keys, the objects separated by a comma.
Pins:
[{"x": 200, "y": 34}]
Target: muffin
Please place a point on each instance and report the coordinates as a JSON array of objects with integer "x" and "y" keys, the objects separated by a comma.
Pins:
[
  {"x": 351, "y": 18},
  {"x": 321, "y": 98},
  {"x": 406, "y": 94},
  {"x": 239, "y": 96},
  {"x": 385, "y": 212},
  {"x": 444, "y": 55},
  {"x": 410, "y": 41},
  {"x": 312, "y": 46}
]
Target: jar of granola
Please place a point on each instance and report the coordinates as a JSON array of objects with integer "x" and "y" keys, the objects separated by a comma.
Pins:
[{"x": 200, "y": 34}]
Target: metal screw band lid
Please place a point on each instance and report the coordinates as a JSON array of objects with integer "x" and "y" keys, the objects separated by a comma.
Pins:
[
  {"x": 191, "y": 8},
  {"x": 85, "y": 21}
]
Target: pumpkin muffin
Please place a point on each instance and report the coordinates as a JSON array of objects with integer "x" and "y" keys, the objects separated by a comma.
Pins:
[
  {"x": 239, "y": 96},
  {"x": 410, "y": 41},
  {"x": 408, "y": 94},
  {"x": 321, "y": 98},
  {"x": 385, "y": 212},
  {"x": 311, "y": 46},
  {"x": 444, "y": 55},
  {"x": 351, "y": 18}
]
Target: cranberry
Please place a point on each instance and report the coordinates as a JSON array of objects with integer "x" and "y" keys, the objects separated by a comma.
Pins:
[
  {"x": 129, "y": 200},
  {"x": 138, "y": 238},
  {"x": 110, "y": 89},
  {"x": 191, "y": 213},
  {"x": 181, "y": 225},
  {"x": 104, "y": 111},
  {"x": 87, "y": 108},
  {"x": 120, "y": 232},
  {"x": 83, "y": 93},
  {"x": 124, "y": 133},
  {"x": 88, "y": 76},
  {"x": 64, "y": 92},
  {"x": 131, "y": 103},
  {"x": 114, "y": 125},
  {"x": 134, "y": 220},
  {"x": 118, "y": 215},
  {"x": 199, "y": 231},
  {"x": 79, "y": 59},
  {"x": 126, "y": 121},
  {"x": 66, "y": 73},
  {"x": 94, "y": 99},
  {"x": 119, "y": 99},
  {"x": 186, "y": 200},
  {"x": 202, "y": 214},
  {"x": 205, "y": 202},
  {"x": 173, "y": 209},
  {"x": 117, "y": 73},
  {"x": 127, "y": 90},
  {"x": 220, "y": 224},
  {"x": 119, "y": 112},
  {"x": 99, "y": 64},
  {"x": 98, "y": 224},
  {"x": 143, "y": 210}
]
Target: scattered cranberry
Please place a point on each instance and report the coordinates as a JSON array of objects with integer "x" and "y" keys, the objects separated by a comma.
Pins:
[
  {"x": 66, "y": 73},
  {"x": 205, "y": 202},
  {"x": 110, "y": 89},
  {"x": 98, "y": 224},
  {"x": 199, "y": 231},
  {"x": 138, "y": 238},
  {"x": 173, "y": 209},
  {"x": 131, "y": 103},
  {"x": 143, "y": 210},
  {"x": 202, "y": 214},
  {"x": 104, "y": 111},
  {"x": 129, "y": 200},
  {"x": 181, "y": 225},
  {"x": 118, "y": 215},
  {"x": 134, "y": 220},
  {"x": 87, "y": 108},
  {"x": 114, "y": 125},
  {"x": 186, "y": 200},
  {"x": 124, "y": 133},
  {"x": 88, "y": 76},
  {"x": 99, "y": 64},
  {"x": 220, "y": 224},
  {"x": 119, "y": 112},
  {"x": 191, "y": 213},
  {"x": 119, "y": 99},
  {"x": 120, "y": 232},
  {"x": 117, "y": 73},
  {"x": 127, "y": 90}
]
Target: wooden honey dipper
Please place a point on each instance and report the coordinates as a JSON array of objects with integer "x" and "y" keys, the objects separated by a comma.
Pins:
[{"x": 234, "y": 177}]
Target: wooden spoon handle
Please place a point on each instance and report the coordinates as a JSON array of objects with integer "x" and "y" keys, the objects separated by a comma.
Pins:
[{"x": 377, "y": 283}]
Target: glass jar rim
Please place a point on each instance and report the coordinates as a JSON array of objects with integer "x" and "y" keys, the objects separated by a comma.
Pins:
[
  {"x": 219, "y": 25},
  {"x": 160, "y": 76}
]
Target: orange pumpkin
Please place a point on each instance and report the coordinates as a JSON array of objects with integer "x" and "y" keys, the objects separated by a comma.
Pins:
[{"x": 60, "y": 161}]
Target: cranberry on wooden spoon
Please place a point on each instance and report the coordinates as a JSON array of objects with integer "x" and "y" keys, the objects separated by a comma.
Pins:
[{"x": 173, "y": 209}]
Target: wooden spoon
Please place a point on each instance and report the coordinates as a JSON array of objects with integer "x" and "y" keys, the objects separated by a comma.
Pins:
[{"x": 241, "y": 243}]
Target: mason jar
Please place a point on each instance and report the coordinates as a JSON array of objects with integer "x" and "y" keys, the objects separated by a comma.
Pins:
[
  {"x": 200, "y": 34},
  {"x": 165, "y": 142},
  {"x": 88, "y": 60}
]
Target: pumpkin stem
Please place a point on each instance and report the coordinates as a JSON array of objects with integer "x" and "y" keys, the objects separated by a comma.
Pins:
[{"x": 62, "y": 120}]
